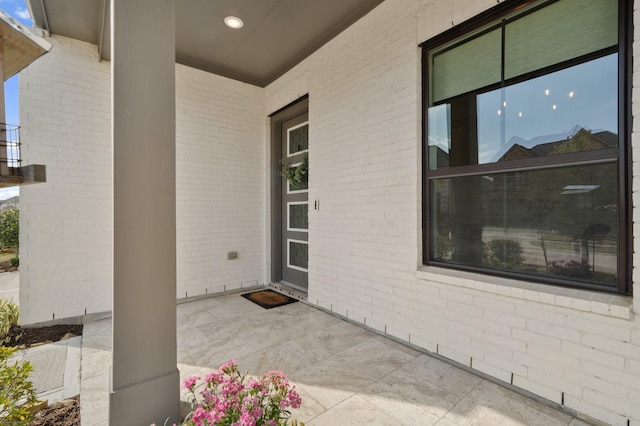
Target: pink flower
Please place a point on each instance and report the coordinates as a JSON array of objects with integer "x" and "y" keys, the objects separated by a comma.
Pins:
[
  {"x": 231, "y": 388},
  {"x": 230, "y": 398},
  {"x": 253, "y": 384},
  {"x": 294, "y": 399},
  {"x": 221, "y": 405},
  {"x": 276, "y": 376},
  {"x": 246, "y": 420},
  {"x": 190, "y": 382},
  {"x": 228, "y": 366},
  {"x": 201, "y": 417},
  {"x": 213, "y": 378}
]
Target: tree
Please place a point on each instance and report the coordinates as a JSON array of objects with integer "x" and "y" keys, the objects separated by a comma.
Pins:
[
  {"x": 541, "y": 199},
  {"x": 10, "y": 229}
]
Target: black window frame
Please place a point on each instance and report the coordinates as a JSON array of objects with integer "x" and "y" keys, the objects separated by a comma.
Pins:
[{"x": 481, "y": 23}]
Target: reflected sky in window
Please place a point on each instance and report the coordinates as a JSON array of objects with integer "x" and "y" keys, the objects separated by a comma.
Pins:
[{"x": 550, "y": 108}]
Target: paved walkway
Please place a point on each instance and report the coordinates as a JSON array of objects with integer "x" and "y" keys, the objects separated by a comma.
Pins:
[
  {"x": 346, "y": 375},
  {"x": 9, "y": 285},
  {"x": 56, "y": 366},
  {"x": 56, "y": 369}
]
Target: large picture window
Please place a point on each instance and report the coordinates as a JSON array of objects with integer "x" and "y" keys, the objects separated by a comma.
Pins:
[{"x": 526, "y": 142}]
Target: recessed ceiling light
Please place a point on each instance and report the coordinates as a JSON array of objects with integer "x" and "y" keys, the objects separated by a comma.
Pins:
[{"x": 233, "y": 22}]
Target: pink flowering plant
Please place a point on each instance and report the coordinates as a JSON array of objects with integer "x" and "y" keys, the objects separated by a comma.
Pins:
[{"x": 229, "y": 398}]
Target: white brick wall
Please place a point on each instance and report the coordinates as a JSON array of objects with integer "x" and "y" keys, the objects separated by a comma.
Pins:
[
  {"x": 220, "y": 131},
  {"x": 66, "y": 223},
  {"x": 364, "y": 110}
]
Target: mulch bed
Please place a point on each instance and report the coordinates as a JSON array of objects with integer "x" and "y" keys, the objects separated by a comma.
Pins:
[
  {"x": 5, "y": 266},
  {"x": 27, "y": 337},
  {"x": 61, "y": 413}
]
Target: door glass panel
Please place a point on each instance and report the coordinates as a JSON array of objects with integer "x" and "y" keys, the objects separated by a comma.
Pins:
[
  {"x": 301, "y": 187},
  {"x": 298, "y": 216},
  {"x": 291, "y": 258},
  {"x": 298, "y": 255},
  {"x": 298, "y": 139}
]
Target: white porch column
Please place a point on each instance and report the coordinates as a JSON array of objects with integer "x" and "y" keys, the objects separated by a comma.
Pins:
[{"x": 144, "y": 378}]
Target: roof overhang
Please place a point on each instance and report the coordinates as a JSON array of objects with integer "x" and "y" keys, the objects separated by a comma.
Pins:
[
  {"x": 277, "y": 35},
  {"x": 21, "y": 45}
]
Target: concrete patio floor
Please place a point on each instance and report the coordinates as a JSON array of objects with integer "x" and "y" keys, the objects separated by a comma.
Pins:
[
  {"x": 346, "y": 375},
  {"x": 9, "y": 286}
]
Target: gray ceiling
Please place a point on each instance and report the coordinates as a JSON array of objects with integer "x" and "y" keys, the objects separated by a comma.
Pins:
[{"x": 277, "y": 34}]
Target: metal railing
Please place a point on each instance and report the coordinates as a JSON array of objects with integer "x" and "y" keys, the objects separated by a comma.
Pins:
[{"x": 9, "y": 150}]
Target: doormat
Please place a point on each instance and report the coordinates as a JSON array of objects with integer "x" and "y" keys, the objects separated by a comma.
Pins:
[{"x": 269, "y": 299}]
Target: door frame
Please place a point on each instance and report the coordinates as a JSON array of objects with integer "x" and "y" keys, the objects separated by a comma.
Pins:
[{"x": 294, "y": 109}]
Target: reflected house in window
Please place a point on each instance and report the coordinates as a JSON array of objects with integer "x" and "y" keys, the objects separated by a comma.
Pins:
[
  {"x": 582, "y": 140},
  {"x": 438, "y": 157},
  {"x": 499, "y": 101},
  {"x": 565, "y": 219}
]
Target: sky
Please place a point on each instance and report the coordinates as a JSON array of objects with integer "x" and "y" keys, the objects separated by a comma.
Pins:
[
  {"x": 547, "y": 108},
  {"x": 18, "y": 10}
]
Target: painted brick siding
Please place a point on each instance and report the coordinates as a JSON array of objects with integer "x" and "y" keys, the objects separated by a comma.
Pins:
[
  {"x": 66, "y": 223},
  {"x": 220, "y": 131},
  {"x": 364, "y": 89},
  {"x": 365, "y": 251}
]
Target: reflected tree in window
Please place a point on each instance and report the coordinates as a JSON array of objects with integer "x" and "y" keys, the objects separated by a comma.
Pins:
[
  {"x": 523, "y": 139},
  {"x": 572, "y": 210},
  {"x": 538, "y": 203}
]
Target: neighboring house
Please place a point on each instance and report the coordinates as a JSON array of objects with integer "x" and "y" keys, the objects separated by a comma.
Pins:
[
  {"x": 583, "y": 140},
  {"x": 523, "y": 269},
  {"x": 19, "y": 47},
  {"x": 10, "y": 203}
]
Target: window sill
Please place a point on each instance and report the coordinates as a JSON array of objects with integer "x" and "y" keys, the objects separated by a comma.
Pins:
[{"x": 611, "y": 305}]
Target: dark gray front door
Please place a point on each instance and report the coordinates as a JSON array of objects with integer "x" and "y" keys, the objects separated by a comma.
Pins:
[{"x": 295, "y": 204}]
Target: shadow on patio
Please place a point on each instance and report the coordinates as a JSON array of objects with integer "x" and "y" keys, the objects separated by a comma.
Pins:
[{"x": 345, "y": 374}]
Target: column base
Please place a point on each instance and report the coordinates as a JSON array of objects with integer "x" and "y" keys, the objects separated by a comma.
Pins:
[{"x": 153, "y": 401}]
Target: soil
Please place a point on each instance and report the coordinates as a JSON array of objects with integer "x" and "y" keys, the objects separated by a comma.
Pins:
[
  {"x": 27, "y": 337},
  {"x": 61, "y": 413},
  {"x": 5, "y": 266}
]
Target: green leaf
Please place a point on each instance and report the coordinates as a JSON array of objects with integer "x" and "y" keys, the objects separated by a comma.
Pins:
[
  {"x": 295, "y": 175},
  {"x": 10, "y": 229}
]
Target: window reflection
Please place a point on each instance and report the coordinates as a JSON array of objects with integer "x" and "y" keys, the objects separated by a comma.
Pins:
[
  {"x": 439, "y": 125},
  {"x": 556, "y": 222},
  {"x": 567, "y": 111},
  {"x": 572, "y": 110}
]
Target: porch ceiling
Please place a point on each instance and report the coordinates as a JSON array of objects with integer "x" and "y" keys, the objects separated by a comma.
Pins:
[{"x": 277, "y": 34}]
